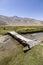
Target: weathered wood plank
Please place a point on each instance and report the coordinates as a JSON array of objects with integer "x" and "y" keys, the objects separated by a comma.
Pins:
[{"x": 26, "y": 42}]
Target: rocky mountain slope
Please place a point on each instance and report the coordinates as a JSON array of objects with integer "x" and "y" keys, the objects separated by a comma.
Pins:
[{"x": 18, "y": 21}]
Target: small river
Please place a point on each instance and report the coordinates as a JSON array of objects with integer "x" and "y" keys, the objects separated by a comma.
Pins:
[
  {"x": 34, "y": 36},
  {"x": 9, "y": 40}
]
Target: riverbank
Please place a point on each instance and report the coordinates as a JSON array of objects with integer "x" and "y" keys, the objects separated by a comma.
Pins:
[
  {"x": 11, "y": 53},
  {"x": 21, "y": 29}
]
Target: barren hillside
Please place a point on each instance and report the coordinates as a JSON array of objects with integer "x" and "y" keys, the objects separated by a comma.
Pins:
[{"x": 18, "y": 21}]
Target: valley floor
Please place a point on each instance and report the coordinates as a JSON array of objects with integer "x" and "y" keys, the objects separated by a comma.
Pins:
[
  {"x": 21, "y": 29},
  {"x": 11, "y": 51}
]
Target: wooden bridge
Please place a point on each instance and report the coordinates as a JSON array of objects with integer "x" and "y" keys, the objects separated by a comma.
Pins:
[{"x": 28, "y": 43}]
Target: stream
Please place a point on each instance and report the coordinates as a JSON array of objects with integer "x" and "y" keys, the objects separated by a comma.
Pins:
[
  {"x": 34, "y": 36},
  {"x": 6, "y": 40}
]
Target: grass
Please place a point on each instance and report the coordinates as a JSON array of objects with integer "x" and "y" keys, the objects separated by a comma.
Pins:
[
  {"x": 21, "y": 29},
  {"x": 32, "y": 57},
  {"x": 9, "y": 51},
  {"x": 18, "y": 57},
  {"x": 15, "y": 56}
]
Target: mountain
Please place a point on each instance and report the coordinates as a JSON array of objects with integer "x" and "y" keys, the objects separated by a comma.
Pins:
[{"x": 19, "y": 21}]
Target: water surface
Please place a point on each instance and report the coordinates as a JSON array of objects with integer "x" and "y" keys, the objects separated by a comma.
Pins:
[{"x": 34, "y": 36}]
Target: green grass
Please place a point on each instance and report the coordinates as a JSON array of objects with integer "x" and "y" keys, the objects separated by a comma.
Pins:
[
  {"x": 17, "y": 56},
  {"x": 21, "y": 29},
  {"x": 10, "y": 51},
  {"x": 32, "y": 57}
]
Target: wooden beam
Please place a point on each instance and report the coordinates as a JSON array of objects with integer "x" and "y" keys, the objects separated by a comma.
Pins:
[{"x": 28, "y": 43}]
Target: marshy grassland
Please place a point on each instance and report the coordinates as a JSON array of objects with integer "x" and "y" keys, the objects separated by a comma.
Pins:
[
  {"x": 16, "y": 56},
  {"x": 21, "y": 29},
  {"x": 12, "y": 53},
  {"x": 32, "y": 57}
]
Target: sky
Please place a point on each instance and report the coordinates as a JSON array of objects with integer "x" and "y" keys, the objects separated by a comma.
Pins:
[{"x": 22, "y": 8}]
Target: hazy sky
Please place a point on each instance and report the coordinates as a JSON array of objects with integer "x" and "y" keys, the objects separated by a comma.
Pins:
[{"x": 22, "y": 8}]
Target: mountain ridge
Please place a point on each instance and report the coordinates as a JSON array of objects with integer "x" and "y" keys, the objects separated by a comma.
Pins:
[{"x": 19, "y": 21}]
